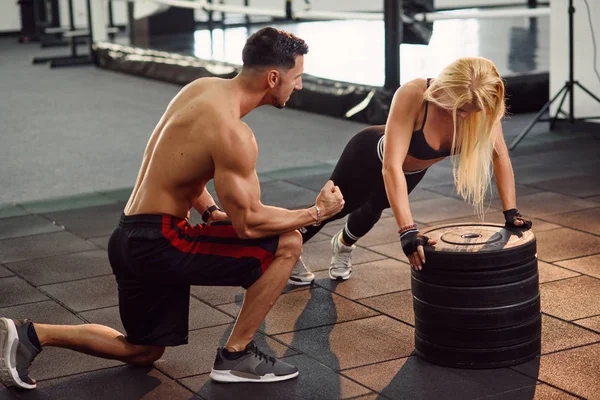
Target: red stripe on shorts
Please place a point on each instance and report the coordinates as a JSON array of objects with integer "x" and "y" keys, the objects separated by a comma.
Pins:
[{"x": 218, "y": 249}]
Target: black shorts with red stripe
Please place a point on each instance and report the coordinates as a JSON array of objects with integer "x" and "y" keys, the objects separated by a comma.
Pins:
[{"x": 156, "y": 258}]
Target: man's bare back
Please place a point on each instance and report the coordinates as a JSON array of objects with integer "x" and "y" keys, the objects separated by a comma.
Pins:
[{"x": 178, "y": 160}]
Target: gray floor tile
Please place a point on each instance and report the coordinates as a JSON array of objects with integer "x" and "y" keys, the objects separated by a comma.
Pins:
[
  {"x": 540, "y": 391},
  {"x": 531, "y": 174},
  {"x": 370, "y": 279},
  {"x": 122, "y": 382},
  {"x": 564, "y": 243},
  {"x": 335, "y": 226},
  {"x": 101, "y": 241},
  {"x": 314, "y": 382},
  {"x": 201, "y": 316},
  {"x": 372, "y": 340},
  {"x": 572, "y": 298},
  {"x": 450, "y": 191},
  {"x": 8, "y": 394},
  {"x": 311, "y": 182},
  {"x": 548, "y": 203},
  {"x": 572, "y": 370},
  {"x": 14, "y": 291},
  {"x": 63, "y": 268},
  {"x": 198, "y": 356},
  {"x": 431, "y": 211},
  {"x": 286, "y": 195},
  {"x": 67, "y": 203},
  {"x": 25, "y": 226},
  {"x": 586, "y": 265},
  {"x": 584, "y": 220},
  {"x": 4, "y": 272},
  {"x": 592, "y": 323},
  {"x": 595, "y": 199},
  {"x": 307, "y": 309},
  {"x": 216, "y": 295},
  {"x": 121, "y": 195},
  {"x": 8, "y": 211},
  {"x": 108, "y": 316},
  {"x": 398, "y": 305},
  {"x": 38, "y": 246},
  {"x": 317, "y": 255},
  {"x": 297, "y": 172},
  {"x": 559, "y": 335},
  {"x": 413, "y": 378},
  {"x": 577, "y": 186},
  {"x": 549, "y": 272},
  {"x": 86, "y": 294},
  {"x": 89, "y": 222},
  {"x": 491, "y": 216},
  {"x": 55, "y": 362},
  {"x": 419, "y": 194},
  {"x": 320, "y": 237},
  {"x": 43, "y": 312},
  {"x": 384, "y": 231},
  {"x": 392, "y": 250}
]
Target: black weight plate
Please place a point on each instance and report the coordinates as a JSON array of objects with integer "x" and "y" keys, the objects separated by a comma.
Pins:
[
  {"x": 478, "y": 317},
  {"x": 463, "y": 277},
  {"x": 479, "y": 338},
  {"x": 478, "y": 358},
  {"x": 480, "y": 296}
]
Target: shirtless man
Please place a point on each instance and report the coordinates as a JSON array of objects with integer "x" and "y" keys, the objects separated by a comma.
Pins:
[{"x": 156, "y": 254}]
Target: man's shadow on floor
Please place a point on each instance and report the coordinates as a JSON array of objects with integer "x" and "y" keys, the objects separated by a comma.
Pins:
[
  {"x": 314, "y": 382},
  {"x": 122, "y": 382}
]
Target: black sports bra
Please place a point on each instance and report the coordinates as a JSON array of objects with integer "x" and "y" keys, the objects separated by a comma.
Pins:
[{"x": 419, "y": 148}]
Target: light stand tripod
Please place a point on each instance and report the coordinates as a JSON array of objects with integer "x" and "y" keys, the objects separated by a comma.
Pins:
[{"x": 568, "y": 88}]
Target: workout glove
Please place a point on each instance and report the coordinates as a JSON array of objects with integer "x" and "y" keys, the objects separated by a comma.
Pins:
[
  {"x": 513, "y": 215},
  {"x": 410, "y": 240}
]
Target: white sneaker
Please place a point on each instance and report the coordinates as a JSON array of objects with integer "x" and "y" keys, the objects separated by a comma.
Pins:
[
  {"x": 301, "y": 275},
  {"x": 341, "y": 261}
]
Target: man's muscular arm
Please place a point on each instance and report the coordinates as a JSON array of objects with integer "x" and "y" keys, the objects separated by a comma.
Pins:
[{"x": 237, "y": 186}]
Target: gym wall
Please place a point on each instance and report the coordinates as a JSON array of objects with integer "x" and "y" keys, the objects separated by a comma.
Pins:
[
  {"x": 10, "y": 16},
  {"x": 585, "y": 106}
]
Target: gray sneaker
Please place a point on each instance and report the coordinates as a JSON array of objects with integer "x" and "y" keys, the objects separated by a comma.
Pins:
[
  {"x": 252, "y": 366},
  {"x": 16, "y": 353},
  {"x": 340, "y": 268},
  {"x": 301, "y": 275}
]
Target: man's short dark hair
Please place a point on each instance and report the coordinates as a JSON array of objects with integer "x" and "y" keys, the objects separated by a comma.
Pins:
[{"x": 270, "y": 47}]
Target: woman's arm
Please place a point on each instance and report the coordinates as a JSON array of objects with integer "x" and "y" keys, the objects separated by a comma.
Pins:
[
  {"x": 399, "y": 127},
  {"x": 505, "y": 182}
]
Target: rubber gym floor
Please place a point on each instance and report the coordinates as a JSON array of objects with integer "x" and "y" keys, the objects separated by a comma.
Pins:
[{"x": 72, "y": 141}]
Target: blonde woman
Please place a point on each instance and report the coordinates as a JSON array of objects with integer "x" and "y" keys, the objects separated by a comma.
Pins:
[{"x": 458, "y": 113}]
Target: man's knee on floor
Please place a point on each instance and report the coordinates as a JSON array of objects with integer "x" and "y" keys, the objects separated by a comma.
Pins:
[{"x": 146, "y": 355}]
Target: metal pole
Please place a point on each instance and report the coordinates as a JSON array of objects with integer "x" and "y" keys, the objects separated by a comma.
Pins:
[
  {"x": 111, "y": 22},
  {"x": 131, "y": 22},
  {"x": 72, "y": 41},
  {"x": 393, "y": 38},
  {"x": 91, "y": 32},
  {"x": 571, "y": 64}
]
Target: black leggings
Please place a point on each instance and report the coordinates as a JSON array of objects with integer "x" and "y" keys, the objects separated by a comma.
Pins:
[{"x": 358, "y": 175}]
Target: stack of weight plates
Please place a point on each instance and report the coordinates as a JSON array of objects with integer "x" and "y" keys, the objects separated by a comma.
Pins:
[{"x": 476, "y": 300}]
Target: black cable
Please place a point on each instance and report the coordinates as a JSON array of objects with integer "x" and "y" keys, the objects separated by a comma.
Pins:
[{"x": 589, "y": 13}]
